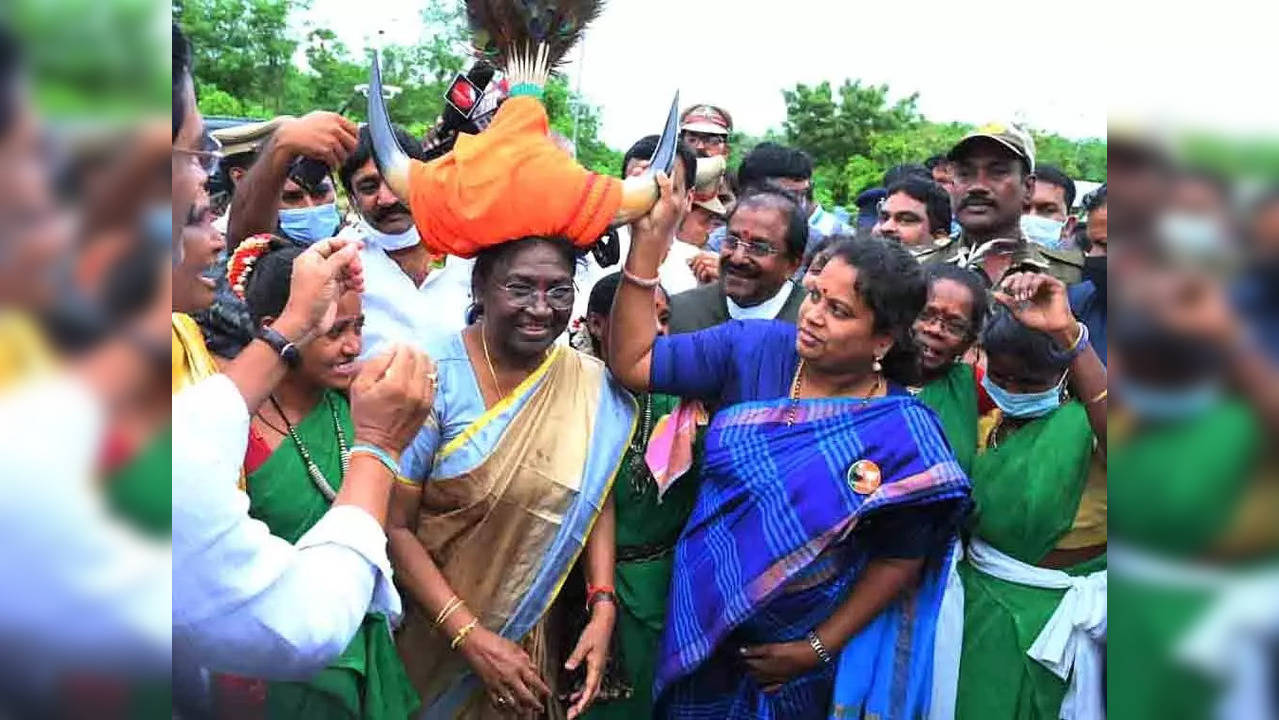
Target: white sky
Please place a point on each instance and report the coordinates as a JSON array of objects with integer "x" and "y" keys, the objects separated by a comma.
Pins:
[{"x": 1059, "y": 66}]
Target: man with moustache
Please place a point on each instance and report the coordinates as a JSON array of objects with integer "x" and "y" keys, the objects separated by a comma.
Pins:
[
  {"x": 763, "y": 248},
  {"x": 994, "y": 179},
  {"x": 915, "y": 213},
  {"x": 410, "y": 295}
]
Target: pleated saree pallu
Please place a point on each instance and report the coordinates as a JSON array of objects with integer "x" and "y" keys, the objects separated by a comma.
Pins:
[
  {"x": 767, "y": 555},
  {"x": 506, "y": 511}
]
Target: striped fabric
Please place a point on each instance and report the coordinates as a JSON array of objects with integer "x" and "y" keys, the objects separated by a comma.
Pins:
[{"x": 768, "y": 555}]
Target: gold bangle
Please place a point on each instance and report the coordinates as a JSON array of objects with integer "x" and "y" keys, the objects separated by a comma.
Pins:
[
  {"x": 1078, "y": 338},
  {"x": 449, "y": 608},
  {"x": 1105, "y": 392},
  {"x": 462, "y": 634}
]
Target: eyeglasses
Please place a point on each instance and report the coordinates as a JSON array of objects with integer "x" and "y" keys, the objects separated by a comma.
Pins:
[
  {"x": 706, "y": 139},
  {"x": 954, "y": 328},
  {"x": 207, "y": 157},
  {"x": 522, "y": 295},
  {"x": 754, "y": 248}
]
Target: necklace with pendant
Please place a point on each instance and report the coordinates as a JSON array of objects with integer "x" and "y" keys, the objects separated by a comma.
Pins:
[
  {"x": 317, "y": 477},
  {"x": 641, "y": 478}
]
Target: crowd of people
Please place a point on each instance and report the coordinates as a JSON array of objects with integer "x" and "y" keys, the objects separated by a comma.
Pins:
[
  {"x": 462, "y": 430},
  {"x": 728, "y": 478}
]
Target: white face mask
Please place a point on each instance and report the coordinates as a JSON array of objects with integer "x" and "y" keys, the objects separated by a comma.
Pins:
[
  {"x": 1193, "y": 234},
  {"x": 1043, "y": 231},
  {"x": 390, "y": 242}
]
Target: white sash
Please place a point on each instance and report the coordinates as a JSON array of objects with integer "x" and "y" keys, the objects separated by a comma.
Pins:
[
  {"x": 1070, "y": 644},
  {"x": 1227, "y": 642}
]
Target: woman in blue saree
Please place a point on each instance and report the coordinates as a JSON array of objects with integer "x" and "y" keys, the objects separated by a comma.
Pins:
[{"x": 808, "y": 579}]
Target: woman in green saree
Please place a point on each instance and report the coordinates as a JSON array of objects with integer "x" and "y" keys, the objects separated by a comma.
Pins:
[
  {"x": 1195, "y": 494},
  {"x": 1033, "y": 582},
  {"x": 298, "y": 451},
  {"x": 651, "y": 514},
  {"x": 944, "y": 333}
]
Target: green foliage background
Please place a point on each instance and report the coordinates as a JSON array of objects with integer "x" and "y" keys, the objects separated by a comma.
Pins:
[{"x": 245, "y": 51}]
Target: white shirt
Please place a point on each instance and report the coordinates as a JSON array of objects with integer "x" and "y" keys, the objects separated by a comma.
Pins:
[
  {"x": 245, "y": 601},
  {"x": 674, "y": 273},
  {"x": 81, "y": 591},
  {"x": 395, "y": 310},
  {"x": 766, "y": 310}
]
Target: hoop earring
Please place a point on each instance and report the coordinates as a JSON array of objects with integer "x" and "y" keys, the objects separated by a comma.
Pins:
[{"x": 877, "y": 366}]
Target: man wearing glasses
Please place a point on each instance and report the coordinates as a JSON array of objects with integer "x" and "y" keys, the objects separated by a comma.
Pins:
[{"x": 762, "y": 249}]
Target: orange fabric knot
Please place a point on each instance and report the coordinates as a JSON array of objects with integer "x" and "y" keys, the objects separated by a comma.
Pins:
[{"x": 509, "y": 182}]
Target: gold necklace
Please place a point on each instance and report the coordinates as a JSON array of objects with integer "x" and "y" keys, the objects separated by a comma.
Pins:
[
  {"x": 484, "y": 342},
  {"x": 489, "y": 361},
  {"x": 798, "y": 383}
]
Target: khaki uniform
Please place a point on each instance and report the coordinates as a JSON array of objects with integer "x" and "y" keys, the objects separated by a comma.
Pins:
[{"x": 1022, "y": 256}]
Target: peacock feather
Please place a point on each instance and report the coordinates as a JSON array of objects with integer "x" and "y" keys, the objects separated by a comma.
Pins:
[{"x": 528, "y": 39}]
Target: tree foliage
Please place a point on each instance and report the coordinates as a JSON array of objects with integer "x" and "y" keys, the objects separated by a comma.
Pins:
[
  {"x": 245, "y": 66},
  {"x": 856, "y": 132},
  {"x": 254, "y": 59}
]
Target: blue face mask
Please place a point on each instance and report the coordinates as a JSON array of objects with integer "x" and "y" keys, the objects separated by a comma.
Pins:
[
  {"x": 308, "y": 225},
  {"x": 1024, "y": 405},
  {"x": 1043, "y": 231},
  {"x": 1167, "y": 404}
]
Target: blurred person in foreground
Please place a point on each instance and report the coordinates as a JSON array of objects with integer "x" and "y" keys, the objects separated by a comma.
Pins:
[
  {"x": 1048, "y": 221},
  {"x": 1256, "y": 294},
  {"x": 1033, "y": 587},
  {"x": 84, "y": 594},
  {"x": 411, "y": 293},
  {"x": 243, "y": 600},
  {"x": 300, "y": 446},
  {"x": 804, "y": 621},
  {"x": 760, "y": 254},
  {"x": 1194, "y": 489},
  {"x": 654, "y": 498},
  {"x": 994, "y": 182},
  {"x": 916, "y": 213}
]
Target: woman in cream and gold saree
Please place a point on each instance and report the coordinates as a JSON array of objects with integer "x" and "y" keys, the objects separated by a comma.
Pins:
[{"x": 504, "y": 487}]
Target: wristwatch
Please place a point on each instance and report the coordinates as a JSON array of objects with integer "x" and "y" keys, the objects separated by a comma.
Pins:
[{"x": 288, "y": 351}]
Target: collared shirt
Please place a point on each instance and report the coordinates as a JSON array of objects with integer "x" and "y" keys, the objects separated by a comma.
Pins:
[
  {"x": 1025, "y": 257},
  {"x": 396, "y": 310},
  {"x": 766, "y": 310},
  {"x": 245, "y": 601}
]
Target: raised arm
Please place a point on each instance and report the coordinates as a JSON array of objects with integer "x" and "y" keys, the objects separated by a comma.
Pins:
[
  {"x": 633, "y": 325},
  {"x": 324, "y": 136},
  {"x": 1039, "y": 302}
]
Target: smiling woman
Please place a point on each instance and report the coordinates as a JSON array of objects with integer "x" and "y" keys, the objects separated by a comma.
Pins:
[
  {"x": 829, "y": 502},
  {"x": 297, "y": 457},
  {"x": 504, "y": 489}
]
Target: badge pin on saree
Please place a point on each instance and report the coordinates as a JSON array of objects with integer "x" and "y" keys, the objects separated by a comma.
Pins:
[{"x": 863, "y": 477}]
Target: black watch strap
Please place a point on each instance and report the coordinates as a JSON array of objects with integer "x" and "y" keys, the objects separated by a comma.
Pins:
[{"x": 288, "y": 351}]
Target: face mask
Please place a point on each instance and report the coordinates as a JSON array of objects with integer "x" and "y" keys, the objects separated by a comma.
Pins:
[
  {"x": 389, "y": 242},
  {"x": 1024, "y": 405},
  {"x": 1191, "y": 234},
  {"x": 308, "y": 225},
  {"x": 1167, "y": 404},
  {"x": 1043, "y": 231},
  {"x": 1095, "y": 271}
]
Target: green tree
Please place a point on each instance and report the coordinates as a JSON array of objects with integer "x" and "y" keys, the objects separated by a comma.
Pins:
[{"x": 241, "y": 46}]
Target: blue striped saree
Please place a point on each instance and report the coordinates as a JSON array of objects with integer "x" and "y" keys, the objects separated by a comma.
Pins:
[{"x": 770, "y": 552}]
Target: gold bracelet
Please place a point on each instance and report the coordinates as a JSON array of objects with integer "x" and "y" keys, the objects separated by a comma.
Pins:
[
  {"x": 1105, "y": 392},
  {"x": 1078, "y": 338},
  {"x": 449, "y": 608},
  {"x": 462, "y": 634}
]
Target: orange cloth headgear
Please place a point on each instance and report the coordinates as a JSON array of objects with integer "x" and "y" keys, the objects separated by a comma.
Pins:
[{"x": 509, "y": 182}]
